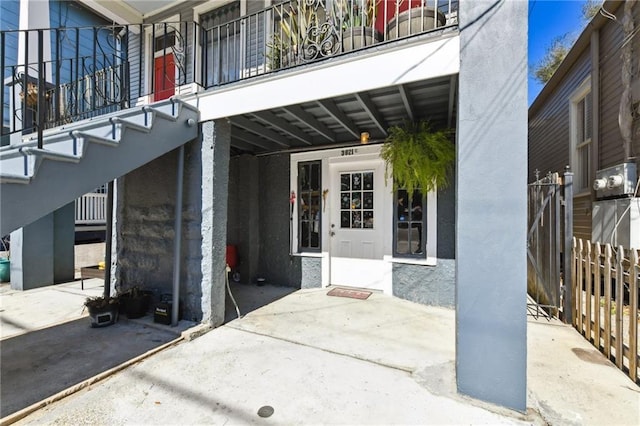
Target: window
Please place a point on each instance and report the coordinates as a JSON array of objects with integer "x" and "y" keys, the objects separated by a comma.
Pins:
[
  {"x": 410, "y": 224},
  {"x": 221, "y": 59},
  {"x": 581, "y": 133},
  {"x": 356, "y": 200},
  {"x": 309, "y": 211}
]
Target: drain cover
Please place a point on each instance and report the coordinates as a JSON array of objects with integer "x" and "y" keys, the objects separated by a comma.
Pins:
[{"x": 265, "y": 411}]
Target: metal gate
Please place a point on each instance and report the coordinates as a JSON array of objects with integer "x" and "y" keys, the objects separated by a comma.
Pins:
[{"x": 550, "y": 216}]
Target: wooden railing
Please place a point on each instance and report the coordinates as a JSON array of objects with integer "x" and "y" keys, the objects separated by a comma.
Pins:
[
  {"x": 605, "y": 294},
  {"x": 91, "y": 209}
]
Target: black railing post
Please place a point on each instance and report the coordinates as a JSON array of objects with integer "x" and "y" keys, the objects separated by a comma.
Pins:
[
  {"x": 56, "y": 90},
  {"x": 94, "y": 85},
  {"x": 25, "y": 85},
  {"x": 2, "y": 50},
  {"x": 77, "y": 79},
  {"x": 41, "y": 87},
  {"x": 140, "y": 53},
  {"x": 567, "y": 282},
  {"x": 154, "y": 83},
  {"x": 125, "y": 94}
]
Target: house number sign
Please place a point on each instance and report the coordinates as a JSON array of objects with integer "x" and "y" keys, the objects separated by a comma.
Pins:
[{"x": 350, "y": 151}]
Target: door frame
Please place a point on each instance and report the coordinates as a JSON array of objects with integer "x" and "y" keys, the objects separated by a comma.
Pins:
[
  {"x": 150, "y": 62},
  {"x": 328, "y": 158}
]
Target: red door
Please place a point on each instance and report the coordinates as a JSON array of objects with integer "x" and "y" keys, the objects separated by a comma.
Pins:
[{"x": 164, "y": 77}]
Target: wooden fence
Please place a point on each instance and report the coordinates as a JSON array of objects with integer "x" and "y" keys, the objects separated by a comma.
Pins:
[{"x": 605, "y": 301}]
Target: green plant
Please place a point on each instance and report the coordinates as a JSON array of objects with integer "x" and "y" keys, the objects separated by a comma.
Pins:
[
  {"x": 418, "y": 157},
  {"x": 303, "y": 33},
  {"x": 100, "y": 302},
  {"x": 354, "y": 13}
]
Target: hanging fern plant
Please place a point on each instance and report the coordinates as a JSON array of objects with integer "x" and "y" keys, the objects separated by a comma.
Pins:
[{"x": 418, "y": 157}]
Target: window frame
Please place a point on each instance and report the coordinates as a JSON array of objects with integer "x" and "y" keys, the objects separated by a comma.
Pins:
[
  {"x": 582, "y": 170},
  {"x": 423, "y": 250},
  {"x": 300, "y": 220}
]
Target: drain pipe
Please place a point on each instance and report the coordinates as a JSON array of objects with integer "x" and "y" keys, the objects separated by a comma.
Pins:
[
  {"x": 177, "y": 241},
  {"x": 108, "y": 241}
]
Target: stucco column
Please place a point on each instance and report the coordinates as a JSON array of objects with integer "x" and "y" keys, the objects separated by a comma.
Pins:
[
  {"x": 491, "y": 328},
  {"x": 216, "y": 142},
  {"x": 42, "y": 253}
]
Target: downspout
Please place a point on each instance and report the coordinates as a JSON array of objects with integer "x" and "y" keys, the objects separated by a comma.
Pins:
[
  {"x": 177, "y": 241},
  {"x": 108, "y": 241}
]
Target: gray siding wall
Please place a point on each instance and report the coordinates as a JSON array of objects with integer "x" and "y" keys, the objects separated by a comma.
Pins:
[
  {"x": 255, "y": 47},
  {"x": 549, "y": 141},
  {"x": 275, "y": 263},
  {"x": 611, "y": 40},
  {"x": 258, "y": 221},
  {"x": 610, "y": 151},
  {"x": 243, "y": 229},
  {"x": 549, "y": 137}
]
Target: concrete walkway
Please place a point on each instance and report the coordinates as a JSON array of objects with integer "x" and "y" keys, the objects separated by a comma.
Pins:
[{"x": 309, "y": 358}]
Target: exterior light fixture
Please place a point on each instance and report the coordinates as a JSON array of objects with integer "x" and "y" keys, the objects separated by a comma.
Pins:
[{"x": 364, "y": 138}]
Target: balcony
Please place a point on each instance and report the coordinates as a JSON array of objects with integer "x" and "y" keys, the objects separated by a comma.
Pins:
[{"x": 64, "y": 75}]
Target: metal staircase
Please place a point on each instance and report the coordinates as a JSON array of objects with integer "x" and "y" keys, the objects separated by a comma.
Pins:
[{"x": 78, "y": 157}]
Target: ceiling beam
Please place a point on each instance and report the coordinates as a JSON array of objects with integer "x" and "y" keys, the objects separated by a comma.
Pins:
[
  {"x": 365, "y": 102},
  {"x": 259, "y": 129},
  {"x": 452, "y": 98},
  {"x": 298, "y": 113},
  {"x": 251, "y": 139},
  {"x": 406, "y": 100},
  {"x": 332, "y": 109},
  {"x": 284, "y": 126}
]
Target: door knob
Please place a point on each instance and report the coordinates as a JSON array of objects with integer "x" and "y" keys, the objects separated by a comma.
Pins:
[
  {"x": 333, "y": 225},
  {"x": 332, "y": 233}
]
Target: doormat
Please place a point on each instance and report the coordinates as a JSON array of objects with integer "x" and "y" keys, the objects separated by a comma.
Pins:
[{"x": 354, "y": 294}]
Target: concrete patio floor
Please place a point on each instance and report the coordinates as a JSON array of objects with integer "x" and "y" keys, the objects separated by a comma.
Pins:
[{"x": 317, "y": 359}]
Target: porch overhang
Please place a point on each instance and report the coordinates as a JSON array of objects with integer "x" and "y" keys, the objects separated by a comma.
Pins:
[{"x": 334, "y": 102}]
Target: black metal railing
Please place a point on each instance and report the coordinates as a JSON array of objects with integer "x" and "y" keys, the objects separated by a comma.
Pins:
[
  {"x": 67, "y": 74},
  {"x": 296, "y": 32}
]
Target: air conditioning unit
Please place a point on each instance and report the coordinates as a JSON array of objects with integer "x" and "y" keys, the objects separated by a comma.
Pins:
[{"x": 616, "y": 182}]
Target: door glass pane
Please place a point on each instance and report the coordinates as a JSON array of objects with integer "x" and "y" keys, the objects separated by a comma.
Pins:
[
  {"x": 356, "y": 206},
  {"x": 345, "y": 182},
  {"x": 356, "y": 179},
  {"x": 367, "y": 180}
]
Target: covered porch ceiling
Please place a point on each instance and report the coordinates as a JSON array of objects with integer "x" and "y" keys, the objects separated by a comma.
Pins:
[{"x": 339, "y": 121}]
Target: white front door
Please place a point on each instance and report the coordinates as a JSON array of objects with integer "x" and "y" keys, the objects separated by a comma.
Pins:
[{"x": 357, "y": 224}]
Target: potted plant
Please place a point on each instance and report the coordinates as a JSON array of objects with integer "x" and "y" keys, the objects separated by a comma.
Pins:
[
  {"x": 416, "y": 17},
  {"x": 103, "y": 311},
  {"x": 356, "y": 18},
  {"x": 5, "y": 262},
  {"x": 303, "y": 34},
  {"x": 418, "y": 157},
  {"x": 134, "y": 302}
]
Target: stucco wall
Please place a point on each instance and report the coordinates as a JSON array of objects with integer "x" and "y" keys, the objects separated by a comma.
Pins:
[
  {"x": 491, "y": 203},
  {"x": 311, "y": 272},
  {"x": 146, "y": 229}
]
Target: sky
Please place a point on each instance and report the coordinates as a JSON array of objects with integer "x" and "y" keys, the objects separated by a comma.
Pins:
[{"x": 547, "y": 20}]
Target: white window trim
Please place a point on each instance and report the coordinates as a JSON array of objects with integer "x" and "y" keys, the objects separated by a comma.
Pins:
[
  {"x": 365, "y": 152},
  {"x": 578, "y": 95},
  {"x": 150, "y": 55}
]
